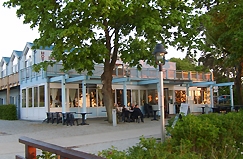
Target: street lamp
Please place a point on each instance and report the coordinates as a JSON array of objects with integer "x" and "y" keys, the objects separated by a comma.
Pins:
[{"x": 159, "y": 53}]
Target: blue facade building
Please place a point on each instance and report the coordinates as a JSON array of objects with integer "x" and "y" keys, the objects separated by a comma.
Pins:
[{"x": 52, "y": 90}]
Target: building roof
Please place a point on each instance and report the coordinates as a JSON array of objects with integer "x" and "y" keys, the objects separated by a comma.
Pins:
[
  {"x": 6, "y": 59},
  {"x": 18, "y": 53}
]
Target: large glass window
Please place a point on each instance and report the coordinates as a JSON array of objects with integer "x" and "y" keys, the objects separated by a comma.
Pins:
[
  {"x": 73, "y": 98},
  {"x": 23, "y": 98},
  {"x": 119, "y": 97},
  {"x": 143, "y": 97},
  {"x": 42, "y": 96},
  {"x": 55, "y": 97},
  {"x": 135, "y": 99},
  {"x": 35, "y": 96},
  {"x": 100, "y": 98},
  {"x": 129, "y": 98},
  {"x": 92, "y": 97},
  {"x": 180, "y": 96},
  {"x": 30, "y": 97},
  {"x": 201, "y": 96},
  {"x": 152, "y": 97}
]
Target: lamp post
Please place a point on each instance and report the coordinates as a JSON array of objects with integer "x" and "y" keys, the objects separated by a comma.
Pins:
[{"x": 159, "y": 53}]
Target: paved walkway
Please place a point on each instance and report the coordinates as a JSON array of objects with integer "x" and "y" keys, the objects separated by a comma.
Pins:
[{"x": 97, "y": 136}]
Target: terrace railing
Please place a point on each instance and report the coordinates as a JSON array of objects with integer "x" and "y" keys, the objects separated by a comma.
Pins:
[
  {"x": 11, "y": 81},
  {"x": 133, "y": 73}
]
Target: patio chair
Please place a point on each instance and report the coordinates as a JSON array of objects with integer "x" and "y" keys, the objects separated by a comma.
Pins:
[{"x": 48, "y": 117}]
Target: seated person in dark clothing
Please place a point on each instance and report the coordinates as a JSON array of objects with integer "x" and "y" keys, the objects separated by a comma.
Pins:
[
  {"x": 125, "y": 113},
  {"x": 137, "y": 112}
]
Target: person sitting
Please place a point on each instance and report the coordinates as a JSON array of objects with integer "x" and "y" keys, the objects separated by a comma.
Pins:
[
  {"x": 132, "y": 107},
  {"x": 137, "y": 112},
  {"x": 125, "y": 113},
  {"x": 118, "y": 112}
]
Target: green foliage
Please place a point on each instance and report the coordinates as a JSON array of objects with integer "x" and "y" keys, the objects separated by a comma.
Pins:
[
  {"x": 211, "y": 135},
  {"x": 86, "y": 33},
  {"x": 222, "y": 30},
  {"x": 8, "y": 112},
  {"x": 46, "y": 155},
  {"x": 92, "y": 31},
  {"x": 187, "y": 65},
  {"x": 208, "y": 136},
  {"x": 149, "y": 148}
]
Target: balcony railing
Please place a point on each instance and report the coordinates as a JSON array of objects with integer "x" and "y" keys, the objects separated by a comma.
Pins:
[
  {"x": 133, "y": 73},
  {"x": 11, "y": 80}
]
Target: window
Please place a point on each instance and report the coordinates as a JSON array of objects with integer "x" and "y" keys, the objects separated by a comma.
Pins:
[
  {"x": 15, "y": 65},
  {"x": 201, "y": 96},
  {"x": 180, "y": 96},
  {"x": 119, "y": 95},
  {"x": 100, "y": 98},
  {"x": 12, "y": 100},
  {"x": 35, "y": 96},
  {"x": 42, "y": 96},
  {"x": 4, "y": 70},
  {"x": 23, "y": 98},
  {"x": 92, "y": 97},
  {"x": 152, "y": 97},
  {"x": 135, "y": 96},
  {"x": 143, "y": 97},
  {"x": 30, "y": 97},
  {"x": 55, "y": 97},
  {"x": 73, "y": 98}
]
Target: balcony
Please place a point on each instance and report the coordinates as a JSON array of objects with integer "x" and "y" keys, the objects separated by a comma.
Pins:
[
  {"x": 133, "y": 73},
  {"x": 11, "y": 81}
]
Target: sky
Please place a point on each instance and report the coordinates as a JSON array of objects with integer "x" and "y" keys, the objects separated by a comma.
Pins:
[{"x": 14, "y": 34}]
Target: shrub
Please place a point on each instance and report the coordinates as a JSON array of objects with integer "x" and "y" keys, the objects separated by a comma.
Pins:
[
  {"x": 210, "y": 135},
  {"x": 148, "y": 148},
  {"x": 207, "y": 136},
  {"x": 8, "y": 112},
  {"x": 46, "y": 155}
]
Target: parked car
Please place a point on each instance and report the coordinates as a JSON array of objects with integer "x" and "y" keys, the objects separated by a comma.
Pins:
[{"x": 224, "y": 99}]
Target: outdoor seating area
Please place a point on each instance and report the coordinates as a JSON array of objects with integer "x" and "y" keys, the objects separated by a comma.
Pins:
[
  {"x": 67, "y": 118},
  {"x": 238, "y": 107},
  {"x": 129, "y": 114},
  {"x": 222, "y": 109}
]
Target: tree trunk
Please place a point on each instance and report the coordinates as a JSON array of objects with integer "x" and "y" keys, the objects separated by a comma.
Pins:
[
  {"x": 106, "y": 78},
  {"x": 238, "y": 86}
]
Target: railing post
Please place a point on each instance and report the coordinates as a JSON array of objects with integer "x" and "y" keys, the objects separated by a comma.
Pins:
[
  {"x": 189, "y": 75},
  {"x": 174, "y": 74},
  {"x": 30, "y": 152}
]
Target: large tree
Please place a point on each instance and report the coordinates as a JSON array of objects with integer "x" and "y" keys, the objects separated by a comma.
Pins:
[
  {"x": 98, "y": 31},
  {"x": 186, "y": 65},
  {"x": 222, "y": 25}
]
